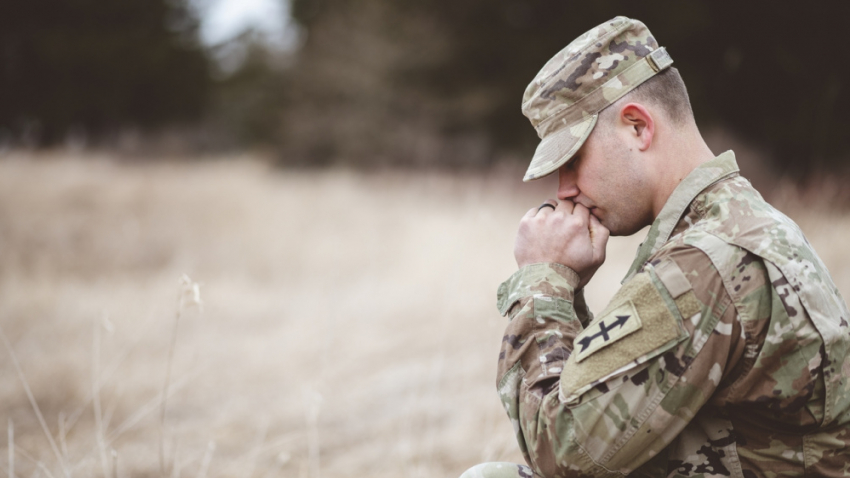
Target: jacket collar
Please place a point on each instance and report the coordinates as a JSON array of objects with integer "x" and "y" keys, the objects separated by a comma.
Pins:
[{"x": 701, "y": 177}]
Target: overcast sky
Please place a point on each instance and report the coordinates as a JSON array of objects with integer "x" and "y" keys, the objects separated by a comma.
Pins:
[{"x": 224, "y": 19}]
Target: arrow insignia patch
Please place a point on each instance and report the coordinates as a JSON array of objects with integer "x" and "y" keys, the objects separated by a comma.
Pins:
[{"x": 612, "y": 327}]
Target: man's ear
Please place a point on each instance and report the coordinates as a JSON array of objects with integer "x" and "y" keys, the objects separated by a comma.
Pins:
[{"x": 640, "y": 122}]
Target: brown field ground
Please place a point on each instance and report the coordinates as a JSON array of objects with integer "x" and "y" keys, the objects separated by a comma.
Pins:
[{"x": 348, "y": 325}]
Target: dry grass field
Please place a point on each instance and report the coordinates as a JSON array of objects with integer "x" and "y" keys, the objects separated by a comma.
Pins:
[{"x": 348, "y": 325}]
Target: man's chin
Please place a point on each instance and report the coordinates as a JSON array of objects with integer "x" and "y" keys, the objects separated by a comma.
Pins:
[{"x": 617, "y": 228}]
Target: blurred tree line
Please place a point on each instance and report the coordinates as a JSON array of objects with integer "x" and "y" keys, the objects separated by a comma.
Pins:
[
  {"x": 89, "y": 66},
  {"x": 431, "y": 82},
  {"x": 384, "y": 76}
]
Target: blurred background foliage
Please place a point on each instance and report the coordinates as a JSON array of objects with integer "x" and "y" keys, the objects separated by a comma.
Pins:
[
  {"x": 425, "y": 83},
  {"x": 72, "y": 67}
]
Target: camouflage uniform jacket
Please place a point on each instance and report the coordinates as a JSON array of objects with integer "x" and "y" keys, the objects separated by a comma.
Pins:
[{"x": 725, "y": 352}]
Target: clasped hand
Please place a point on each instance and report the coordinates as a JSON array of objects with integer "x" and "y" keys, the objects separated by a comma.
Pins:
[{"x": 567, "y": 234}]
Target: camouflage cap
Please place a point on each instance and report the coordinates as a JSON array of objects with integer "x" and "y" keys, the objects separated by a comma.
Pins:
[{"x": 596, "y": 69}]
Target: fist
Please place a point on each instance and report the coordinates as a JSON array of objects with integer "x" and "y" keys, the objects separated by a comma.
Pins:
[{"x": 565, "y": 234}]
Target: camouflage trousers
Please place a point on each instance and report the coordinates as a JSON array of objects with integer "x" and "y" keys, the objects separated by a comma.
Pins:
[{"x": 498, "y": 470}]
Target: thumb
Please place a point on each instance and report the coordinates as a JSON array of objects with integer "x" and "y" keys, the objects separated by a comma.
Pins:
[{"x": 598, "y": 238}]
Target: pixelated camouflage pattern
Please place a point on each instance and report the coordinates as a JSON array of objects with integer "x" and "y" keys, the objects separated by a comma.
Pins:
[
  {"x": 595, "y": 70},
  {"x": 757, "y": 386}
]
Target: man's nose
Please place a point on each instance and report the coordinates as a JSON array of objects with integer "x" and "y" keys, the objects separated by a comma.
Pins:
[{"x": 567, "y": 187}]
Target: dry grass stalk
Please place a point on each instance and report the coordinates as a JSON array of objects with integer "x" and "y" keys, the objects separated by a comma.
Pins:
[
  {"x": 98, "y": 415},
  {"x": 189, "y": 289},
  {"x": 175, "y": 465},
  {"x": 313, "y": 405},
  {"x": 146, "y": 409},
  {"x": 11, "y": 445},
  {"x": 66, "y": 424},
  {"x": 34, "y": 404},
  {"x": 207, "y": 459},
  {"x": 38, "y": 463},
  {"x": 63, "y": 433},
  {"x": 114, "y": 454}
]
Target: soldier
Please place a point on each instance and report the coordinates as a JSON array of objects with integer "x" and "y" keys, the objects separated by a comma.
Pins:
[{"x": 725, "y": 351}]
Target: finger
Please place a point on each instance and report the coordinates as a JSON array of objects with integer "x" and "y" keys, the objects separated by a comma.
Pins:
[
  {"x": 582, "y": 212},
  {"x": 598, "y": 238},
  {"x": 566, "y": 206},
  {"x": 547, "y": 206},
  {"x": 531, "y": 213}
]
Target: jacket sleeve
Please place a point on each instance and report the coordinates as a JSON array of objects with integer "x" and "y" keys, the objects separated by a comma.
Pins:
[{"x": 604, "y": 397}]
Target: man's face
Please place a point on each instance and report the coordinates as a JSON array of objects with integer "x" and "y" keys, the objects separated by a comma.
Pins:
[{"x": 608, "y": 177}]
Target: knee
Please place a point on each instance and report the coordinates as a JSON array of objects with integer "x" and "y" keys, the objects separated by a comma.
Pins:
[
  {"x": 474, "y": 472},
  {"x": 498, "y": 470}
]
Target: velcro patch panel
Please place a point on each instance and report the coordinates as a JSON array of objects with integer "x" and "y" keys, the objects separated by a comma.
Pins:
[{"x": 657, "y": 328}]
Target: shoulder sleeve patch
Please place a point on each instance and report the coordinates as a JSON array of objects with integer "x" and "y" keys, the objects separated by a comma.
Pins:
[
  {"x": 656, "y": 328},
  {"x": 617, "y": 324}
]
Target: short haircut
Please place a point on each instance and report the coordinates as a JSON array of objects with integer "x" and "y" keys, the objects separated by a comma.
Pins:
[{"x": 666, "y": 90}]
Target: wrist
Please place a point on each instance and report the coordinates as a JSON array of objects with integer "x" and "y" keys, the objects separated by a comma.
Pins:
[{"x": 542, "y": 278}]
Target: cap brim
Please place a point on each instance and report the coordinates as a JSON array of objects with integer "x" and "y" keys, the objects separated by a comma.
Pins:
[{"x": 557, "y": 148}]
